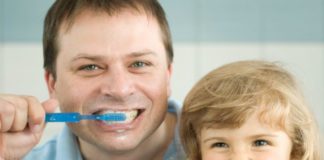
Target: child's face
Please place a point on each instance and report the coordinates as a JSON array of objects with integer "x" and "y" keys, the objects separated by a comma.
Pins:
[{"x": 253, "y": 140}]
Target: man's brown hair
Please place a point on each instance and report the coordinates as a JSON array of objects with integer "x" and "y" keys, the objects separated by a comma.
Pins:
[{"x": 67, "y": 10}]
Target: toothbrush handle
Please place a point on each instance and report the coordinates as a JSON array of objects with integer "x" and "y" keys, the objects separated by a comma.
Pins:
[
  {"x": 90, "y": 117},
  {"x": 72, "y": 117}
]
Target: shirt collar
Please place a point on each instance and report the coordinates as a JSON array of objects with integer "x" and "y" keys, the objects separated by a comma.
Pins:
[{"x": 67, "y": 145}]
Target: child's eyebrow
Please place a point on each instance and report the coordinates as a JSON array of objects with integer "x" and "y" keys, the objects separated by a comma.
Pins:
[
  {"x": 262, "y": 135},
  {"x": 250, "y": 137},
  {"x": 214, "y": 138}
]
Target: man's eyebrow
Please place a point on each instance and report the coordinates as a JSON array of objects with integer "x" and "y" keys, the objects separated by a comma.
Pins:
[
  {"x": 142, "y": 53},
  {"x": 87, "y": 56},
  {"x": 100, "y": 57}
]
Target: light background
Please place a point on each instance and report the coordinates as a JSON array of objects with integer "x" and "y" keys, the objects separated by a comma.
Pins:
[{"x": 206, "y": 34}]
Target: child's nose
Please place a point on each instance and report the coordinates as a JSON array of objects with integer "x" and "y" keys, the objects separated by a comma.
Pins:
[
  {"x": 241, "y": 154},
  {"x": 240, "y": 157}
]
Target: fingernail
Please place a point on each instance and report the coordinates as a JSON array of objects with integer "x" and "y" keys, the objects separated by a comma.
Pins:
[{"x": 36, "y": 128}]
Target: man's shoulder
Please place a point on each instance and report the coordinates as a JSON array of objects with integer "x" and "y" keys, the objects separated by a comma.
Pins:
[
  {"x": 175, "y": 150},
  {"x": 174, "y": 106},
  {"x": 63, "y": 146},
  {"x": 45, "y": 151}
]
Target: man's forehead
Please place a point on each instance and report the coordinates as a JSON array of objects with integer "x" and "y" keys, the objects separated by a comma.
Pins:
[{"x": 70, "y": 20}]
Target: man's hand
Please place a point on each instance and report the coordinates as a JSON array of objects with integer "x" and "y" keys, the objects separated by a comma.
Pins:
[{"x": 21, "y": 124}]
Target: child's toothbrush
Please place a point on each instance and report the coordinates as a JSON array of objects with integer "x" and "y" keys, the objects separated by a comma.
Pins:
[{"x": 74, "y": 117}]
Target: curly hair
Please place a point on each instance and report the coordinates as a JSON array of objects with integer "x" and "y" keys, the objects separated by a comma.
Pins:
[{"x": 229, "y": 95}]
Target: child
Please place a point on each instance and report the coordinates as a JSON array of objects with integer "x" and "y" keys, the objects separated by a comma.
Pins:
[{"x": 249, "y": 110}]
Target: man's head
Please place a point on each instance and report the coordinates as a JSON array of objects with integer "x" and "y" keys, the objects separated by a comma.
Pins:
[
  {"x": 109, "y": 56},
  {"x": 63, "y": 11}
]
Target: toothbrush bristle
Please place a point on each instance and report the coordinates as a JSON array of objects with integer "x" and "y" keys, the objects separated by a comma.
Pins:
[{"x": 115, "y": 117}]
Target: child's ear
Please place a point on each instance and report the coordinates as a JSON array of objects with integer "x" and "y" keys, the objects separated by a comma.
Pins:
[{"x": 293, "y": 157}]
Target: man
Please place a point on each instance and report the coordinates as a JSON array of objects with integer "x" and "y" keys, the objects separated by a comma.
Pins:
[{"x": 100, "y": 56}]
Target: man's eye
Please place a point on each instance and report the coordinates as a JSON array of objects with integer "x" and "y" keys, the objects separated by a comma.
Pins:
[
  {"x": 139, "y": 64},
  {"x": 90, "y": 67},
  {"x": 219, "y": 145},
  {"x": 259, "y": 143}
]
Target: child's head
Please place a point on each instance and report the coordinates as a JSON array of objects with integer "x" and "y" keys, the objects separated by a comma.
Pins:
[{"x": 244, "y": 99}]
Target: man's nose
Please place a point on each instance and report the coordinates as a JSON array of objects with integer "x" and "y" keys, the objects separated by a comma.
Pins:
[{"x": 118, "y": 83}]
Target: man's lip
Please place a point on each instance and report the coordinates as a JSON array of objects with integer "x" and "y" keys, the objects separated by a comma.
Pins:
[
  {"x": 102, "y": 110},
  {"x": 116, "y": 127}
]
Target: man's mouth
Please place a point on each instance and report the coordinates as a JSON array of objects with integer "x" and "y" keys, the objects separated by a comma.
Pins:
[{"x": 130, "y": 115}]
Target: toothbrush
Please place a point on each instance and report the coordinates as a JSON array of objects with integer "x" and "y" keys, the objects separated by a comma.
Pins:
[{"x": 74, "y": 117}]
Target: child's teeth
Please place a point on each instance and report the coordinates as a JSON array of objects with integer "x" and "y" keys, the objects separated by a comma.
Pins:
[{"x": 130, "y": 116}]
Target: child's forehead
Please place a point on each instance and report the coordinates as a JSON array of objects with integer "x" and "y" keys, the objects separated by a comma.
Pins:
[
  {"x": 258, "y": 117},
  {"x": 252, "y": 125}
]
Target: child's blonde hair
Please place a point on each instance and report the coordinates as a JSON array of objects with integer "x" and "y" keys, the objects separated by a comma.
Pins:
[{"x": 229, "y": 95}]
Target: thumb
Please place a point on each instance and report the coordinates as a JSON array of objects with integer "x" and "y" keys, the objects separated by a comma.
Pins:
[{"x": 50, "y": 105}]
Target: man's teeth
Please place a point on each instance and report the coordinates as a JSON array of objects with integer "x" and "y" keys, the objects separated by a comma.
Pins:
[{"x": 129, "y": 116}]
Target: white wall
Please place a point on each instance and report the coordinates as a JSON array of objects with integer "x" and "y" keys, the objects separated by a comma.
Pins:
[
  {"x": 21, "y": 68},
  {"x": 23, "y": 74},
  {"x": 1, "y": 66}
]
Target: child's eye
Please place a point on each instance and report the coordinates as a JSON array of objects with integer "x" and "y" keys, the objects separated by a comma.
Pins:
[
  {"x": 259, "y": 143},
  {"x": 219, "y": 145}
]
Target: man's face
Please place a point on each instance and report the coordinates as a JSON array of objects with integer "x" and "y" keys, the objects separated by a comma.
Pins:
[{"x": 113, "y": 63}]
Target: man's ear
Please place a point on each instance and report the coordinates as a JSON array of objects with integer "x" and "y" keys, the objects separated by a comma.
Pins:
[
  {"x": 50, "y": 82},
  {"x": 170, "y": 70}
]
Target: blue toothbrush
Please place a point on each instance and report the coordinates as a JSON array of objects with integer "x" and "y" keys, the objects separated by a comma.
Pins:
[{"x": 74, "y": 117}]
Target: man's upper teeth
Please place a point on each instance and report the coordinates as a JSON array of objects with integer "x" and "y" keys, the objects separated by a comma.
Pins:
[{"x": 129, "y": 114}]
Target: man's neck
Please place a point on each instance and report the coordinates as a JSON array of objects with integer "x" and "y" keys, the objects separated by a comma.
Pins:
[{"x": 152, "y": 148}]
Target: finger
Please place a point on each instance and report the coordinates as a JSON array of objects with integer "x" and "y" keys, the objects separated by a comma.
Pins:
[
  {"x": 20, "y": 120},
  {"x": 50, "y": 105},
  {"x": 7, "y": 114},
  {"x": 36, "y": 114},
  {"x": 20, "y": 143}
]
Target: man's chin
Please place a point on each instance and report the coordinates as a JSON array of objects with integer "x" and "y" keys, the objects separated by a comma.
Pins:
[{"x": 119, "y": 145}]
